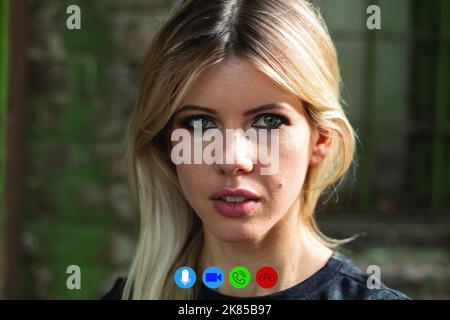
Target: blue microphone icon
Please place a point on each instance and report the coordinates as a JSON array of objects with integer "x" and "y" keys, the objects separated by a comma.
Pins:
[{"x": 185, "y": 277}]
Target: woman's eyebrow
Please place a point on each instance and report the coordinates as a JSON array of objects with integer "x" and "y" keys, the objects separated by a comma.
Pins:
[
  {"x": 192, "y": 107},
  {"x": 264, "y": 107}
]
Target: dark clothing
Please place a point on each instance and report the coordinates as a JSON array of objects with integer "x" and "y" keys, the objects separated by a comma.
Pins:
[
  {"x": 339, "y": 279},
  {"x": 116, "y": 291}
]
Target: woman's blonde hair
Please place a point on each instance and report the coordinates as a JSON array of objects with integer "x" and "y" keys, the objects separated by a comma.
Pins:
[{"x": 285, "y": 39}]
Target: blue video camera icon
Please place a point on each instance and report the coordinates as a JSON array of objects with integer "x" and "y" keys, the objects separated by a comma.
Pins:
[{"x": 213, "y": 277}]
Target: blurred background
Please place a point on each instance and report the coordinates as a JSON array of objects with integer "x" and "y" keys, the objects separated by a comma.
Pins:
[{"x": 66, "y": 96}]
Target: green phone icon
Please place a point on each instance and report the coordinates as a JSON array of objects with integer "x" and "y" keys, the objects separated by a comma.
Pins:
[{"x": 239, "y": 277}]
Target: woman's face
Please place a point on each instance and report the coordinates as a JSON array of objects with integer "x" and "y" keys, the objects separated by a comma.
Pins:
[{"x": 228, "y": 90}]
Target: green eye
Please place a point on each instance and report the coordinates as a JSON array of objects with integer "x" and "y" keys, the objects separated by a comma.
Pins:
[
  {"x": 269, "y": 121},
  {"x": 198, "y": 122}
]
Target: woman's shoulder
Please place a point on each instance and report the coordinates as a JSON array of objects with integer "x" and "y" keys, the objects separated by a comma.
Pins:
[
  {"x": 115, "y": 293},
  {"x": 350, "y": 282}
]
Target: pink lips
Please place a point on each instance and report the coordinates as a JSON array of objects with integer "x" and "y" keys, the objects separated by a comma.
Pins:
[{"x": 235, "y": 209}]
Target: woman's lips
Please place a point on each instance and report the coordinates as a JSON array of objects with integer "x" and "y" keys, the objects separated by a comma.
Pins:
[
  {"x": 235, "y": 209},
  {"x": 232, "y": 208}
]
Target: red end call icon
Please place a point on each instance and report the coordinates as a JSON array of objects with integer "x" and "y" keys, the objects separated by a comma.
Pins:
[{"x": 266, "y": 277}]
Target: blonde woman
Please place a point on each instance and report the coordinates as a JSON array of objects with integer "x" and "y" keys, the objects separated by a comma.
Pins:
[{"x": 229, "y": 65}]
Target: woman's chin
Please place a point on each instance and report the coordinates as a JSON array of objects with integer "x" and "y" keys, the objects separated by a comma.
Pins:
[{"x": 241, "y": 233}]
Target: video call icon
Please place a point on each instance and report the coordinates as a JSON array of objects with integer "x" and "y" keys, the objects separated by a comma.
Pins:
[
  {"x": 185, "y": 277},
  {"x": 213, "y": 277}
]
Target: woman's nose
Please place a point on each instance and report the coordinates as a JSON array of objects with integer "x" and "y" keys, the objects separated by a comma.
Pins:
[{"x": 237, "y": 156}]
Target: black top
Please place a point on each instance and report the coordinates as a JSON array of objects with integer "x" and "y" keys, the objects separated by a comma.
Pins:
[{"x": 339, "y": 279}]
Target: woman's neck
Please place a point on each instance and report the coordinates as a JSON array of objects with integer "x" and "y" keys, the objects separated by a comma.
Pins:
[{"x": 289, "y": 247}]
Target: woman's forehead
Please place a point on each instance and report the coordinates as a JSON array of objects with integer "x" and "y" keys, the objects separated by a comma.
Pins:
[{"x": 236, "y": 84}]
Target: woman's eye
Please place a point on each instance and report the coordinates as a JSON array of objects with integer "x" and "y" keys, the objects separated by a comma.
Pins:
[
  {"x": 269, "y": 121},
  {"x": 198, "y": 122}
]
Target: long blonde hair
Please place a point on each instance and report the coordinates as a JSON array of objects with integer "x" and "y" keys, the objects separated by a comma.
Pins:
[{"x": 285, "y": 39}]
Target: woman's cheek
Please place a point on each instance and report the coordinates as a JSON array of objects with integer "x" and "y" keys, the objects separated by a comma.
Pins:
[
  {"x": 293, "y": 157},
  {"x": 294, "y": 146},
  {"x": 191, "y": 180},
  {"x": 197, "y": 176}
]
